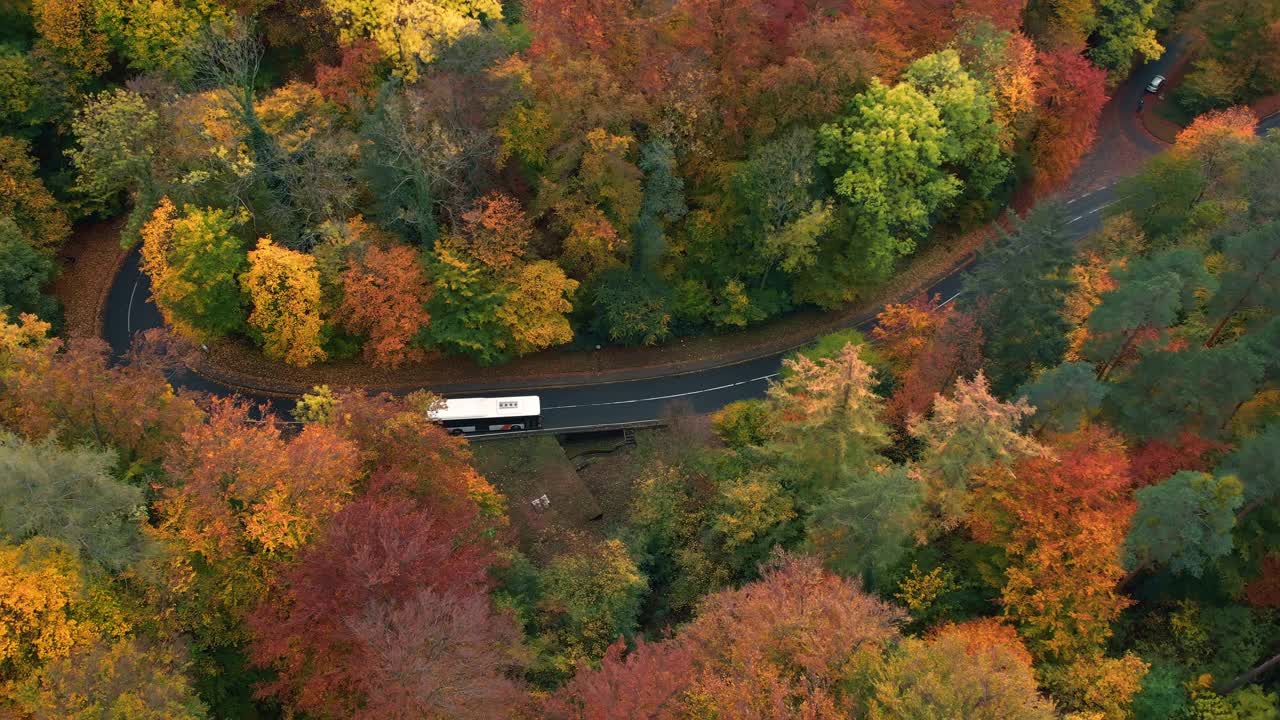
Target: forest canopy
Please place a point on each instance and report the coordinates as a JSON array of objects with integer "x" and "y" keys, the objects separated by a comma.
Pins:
[
  {"x": 1075, "y": 519},
  {"x": 524, "y": 174}
]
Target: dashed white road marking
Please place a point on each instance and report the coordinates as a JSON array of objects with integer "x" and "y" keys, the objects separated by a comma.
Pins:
[
  {"x": 1093, "y": 211},
  {"x": 664, "y": 397}
]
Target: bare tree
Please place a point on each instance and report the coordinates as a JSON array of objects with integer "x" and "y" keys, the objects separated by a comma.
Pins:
[{"x": 229, "y": 58}]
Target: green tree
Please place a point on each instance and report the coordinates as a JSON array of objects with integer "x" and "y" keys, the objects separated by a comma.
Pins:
[
  {"x": 589, "y": 599},
  {"x": 662, "y": 205},
  {"x": 1125, "y": 28},
  {"x": 69, "y": 494},
  {"x": 1021, "y": 286},
  {"x": 1152, "y": 293},
  {"x": 1251, "y": 280},
  {"x": 117, "y": 136},
  {"x": 1163, "y": 694},
  {"x": 868, "y": 523},
  {"x": 1064, "y": 397},
  {"x": 196, "y": 286},
  {"x": 633, "y": 308},
  {"x": 1257, "y": 464},
  {"x": 1184, "y": 523},
  {"x": 965, "y": 106},
  {"x": 1165, "y": 196},
  {"x": 464, "y": 310},
  {"x": 887, "y": 159},
  {"x": 24, "y": 273},
  {"x": 1199, "y": 389},
  {"x": 774, "y": 189}
]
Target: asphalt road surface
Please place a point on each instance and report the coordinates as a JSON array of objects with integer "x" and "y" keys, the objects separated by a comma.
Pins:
[{"x": 607, "y": 404}]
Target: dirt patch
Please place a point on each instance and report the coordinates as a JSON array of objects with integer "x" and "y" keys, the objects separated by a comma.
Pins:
[
  {"x": 238, "y": 364},
  {"x": 89, "y": 261},
  {"x": 549, "y": 505}
]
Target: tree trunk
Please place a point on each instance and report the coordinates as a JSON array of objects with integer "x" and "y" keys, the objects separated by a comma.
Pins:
[
  {"x": 1257, "y": 278},
  {"x": 1250, "y": 508},
  {"x": 1249, "y": 676},
  {"x": 1119, "y": 353},
  {"x": 1128, "y": 579}
]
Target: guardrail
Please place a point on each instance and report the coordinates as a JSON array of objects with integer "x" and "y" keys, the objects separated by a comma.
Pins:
[{"x": 608, "y": 427}]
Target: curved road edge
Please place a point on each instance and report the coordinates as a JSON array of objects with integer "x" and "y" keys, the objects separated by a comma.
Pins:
[{"x": 586, "y": 403}]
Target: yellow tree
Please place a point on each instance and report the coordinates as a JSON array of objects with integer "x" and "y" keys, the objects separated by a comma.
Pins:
[
  {"x": 24, "y": 198},
  {"x": 411, "y": 32},
  {"x": 535, "y": 307},
  {"x": 39, "y": 586},
  {"x": 157, "y": 241},
  {"x": 71, "y": 28},
  {"x": 284, "y": 292}
]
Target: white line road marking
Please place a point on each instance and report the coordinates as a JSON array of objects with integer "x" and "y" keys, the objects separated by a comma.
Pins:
[
  {"x": 664, "y": 397},
  {"x": 1091, "y": 212},
  {"x": 1091, "y": 193},
  {"x": 128, "y": 318}
]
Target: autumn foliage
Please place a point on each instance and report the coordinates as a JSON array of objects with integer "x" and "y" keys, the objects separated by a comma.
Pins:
[
  {"x": 1071, "y": 95},
  {"x": 382, "y": 296},
  {"x": 1064, "y": 518},
  {"x": 388, "y": 582},
  {"x": 283, "y": 287}
]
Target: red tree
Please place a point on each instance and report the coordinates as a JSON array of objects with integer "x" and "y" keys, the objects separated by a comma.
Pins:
[
  {"x": 1156, "y": 460},
  {"x": 409, "y": 456},
  {"x": 646, "y": 683},
  {"x": 1264, "y": 590},
  {"x": 954, "y": 350},
  {"x": 780, "y": 647},
  {"x": 1071, "y": 95},
  {"x": 353, "y": 82},
  {"x": 386, "y": 617},
  {"x": 78, "y": 392},
  {"x": 1004, "y": 14}
]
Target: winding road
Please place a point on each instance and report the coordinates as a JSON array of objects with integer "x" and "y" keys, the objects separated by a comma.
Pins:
[{"x": 613, "y": 404}]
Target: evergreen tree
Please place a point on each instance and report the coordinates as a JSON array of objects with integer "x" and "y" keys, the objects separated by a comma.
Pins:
[
  {"x": 1064, "y": 397},
  {"x": 1252, "y": 280},
  {"x": 1152, "y": 294},
  {"x": 1167, "y": 392},
  {"x": 662, "y": 205},
  {"x": 1021, "y": 285},
  {"x": 1257, "y": 463},
  {"x": 1183, "y": 523}
]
